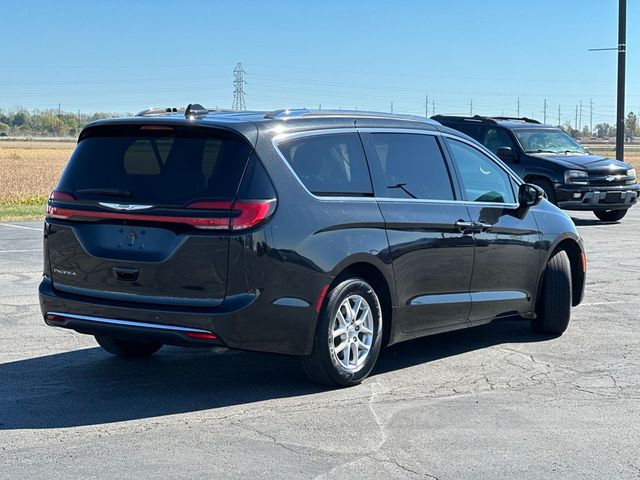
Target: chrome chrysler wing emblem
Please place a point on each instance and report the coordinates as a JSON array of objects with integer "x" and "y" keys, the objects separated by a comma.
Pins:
[{"x": 124, "y": 206}]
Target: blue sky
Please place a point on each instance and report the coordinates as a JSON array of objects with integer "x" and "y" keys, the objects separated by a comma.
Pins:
[{"x": 123, "y": 56}]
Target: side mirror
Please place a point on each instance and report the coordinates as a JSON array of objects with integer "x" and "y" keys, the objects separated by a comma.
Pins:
[
  {"x": 507, "y": 155},
  {"x": 530, "y": 195}
]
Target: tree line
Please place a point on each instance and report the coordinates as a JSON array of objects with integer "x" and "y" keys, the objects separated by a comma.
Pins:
[
  {"x": 47, "y": 123},
  {"x": 56, "y": 123}
]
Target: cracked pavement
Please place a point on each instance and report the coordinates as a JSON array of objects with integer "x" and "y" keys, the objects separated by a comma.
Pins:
[{"x": 490, "y": 402}]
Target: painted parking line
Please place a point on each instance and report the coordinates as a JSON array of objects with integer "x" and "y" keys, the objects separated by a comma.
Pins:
[
  {"x": 20, "y": 226},
  {"x": 21, "y": 251}
]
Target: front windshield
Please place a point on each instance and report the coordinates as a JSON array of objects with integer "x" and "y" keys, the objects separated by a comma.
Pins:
[{"x": 547, "y": 141}]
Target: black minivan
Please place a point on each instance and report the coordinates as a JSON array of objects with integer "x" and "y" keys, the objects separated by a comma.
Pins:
[{"x": 325, "y": 235}]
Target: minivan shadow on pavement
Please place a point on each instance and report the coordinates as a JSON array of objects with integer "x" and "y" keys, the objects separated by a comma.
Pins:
[{"x": 88, "y": 387}]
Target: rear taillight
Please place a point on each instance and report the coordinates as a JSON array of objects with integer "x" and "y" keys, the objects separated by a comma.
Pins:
[
  {"x": 244, "y": 213},
  {"x": 216, "y": 215},
  {"x": 60, "y": 196}
]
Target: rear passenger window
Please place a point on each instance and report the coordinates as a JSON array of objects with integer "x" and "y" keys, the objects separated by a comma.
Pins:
[
  {"x": 329, "y": 164},
  {"x": 411, "y": 166}
]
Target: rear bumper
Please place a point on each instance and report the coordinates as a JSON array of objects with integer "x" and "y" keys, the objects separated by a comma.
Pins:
[
  {"x": 252, "y": 324},
  {"x": 579, "y": 197},
  {"x": 130, "y": 330}
]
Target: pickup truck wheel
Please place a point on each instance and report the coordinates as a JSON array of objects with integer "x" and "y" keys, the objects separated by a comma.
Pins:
[
  {"x": 127, "y": 348},
  {"x": 554, "y": 305},
  {"x": 610, "y": 215},
  {"x": 547, "y": 186},
  {"x": 348, "y": 335}
]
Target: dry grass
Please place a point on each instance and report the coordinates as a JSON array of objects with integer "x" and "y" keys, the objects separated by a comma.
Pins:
[
  {"x": 30, "y": 170},
  {"x": 631, "y": 153}
]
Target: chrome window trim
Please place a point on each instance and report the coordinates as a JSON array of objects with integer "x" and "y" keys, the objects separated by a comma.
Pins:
[
  {"x": 127, "y": 323},
  {"x": 276, "y": 140}
]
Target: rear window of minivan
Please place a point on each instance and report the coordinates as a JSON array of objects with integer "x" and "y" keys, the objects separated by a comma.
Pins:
[{"x": 156, "y": 165}]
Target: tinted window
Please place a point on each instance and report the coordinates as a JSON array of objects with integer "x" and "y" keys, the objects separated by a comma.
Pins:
[
  {"x": 495, "y": 138},
  {"x": 482, "y": 179},
  {"x": 329, "y": 164},
  {"x": 412, "y": 166},
  {"x": 159, "y": 167},
  {"x": 473, "y": 129}
]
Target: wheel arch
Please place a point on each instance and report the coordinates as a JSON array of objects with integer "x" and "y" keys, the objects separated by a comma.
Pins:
[
  {"x": 382, "y": 284},
  {"x": 573, "y": 248}
]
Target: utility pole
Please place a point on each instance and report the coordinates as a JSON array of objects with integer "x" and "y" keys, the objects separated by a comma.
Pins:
[
  {"x": 238, "y": 88},
  {"x": 518, "y": 108},
  {"x": 471, "y": 108},
  {"x": 622, "y": 53},
  {"x": 319, "y": 106},
  {"x": 558, "y": 115},
  {"x": 545, "y": 111},
  {"x": 580, "y": 121},
  {"x": 59, "y": 109},
  {"x": 590, "y": 117},
  {"x": 391, "y": 106},
  {"x": 426, "y": 106},
  {"x": 576, "y": 123}
]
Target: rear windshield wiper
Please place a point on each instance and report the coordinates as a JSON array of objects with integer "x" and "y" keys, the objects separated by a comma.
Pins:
[
  {"x": 109, "y": 192},
  {"x": 401, "y": 186}
]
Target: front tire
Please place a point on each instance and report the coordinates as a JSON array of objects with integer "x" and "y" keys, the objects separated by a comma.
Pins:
[
  {"x": 348, "y": 335},
  {"x": 610, "y": 215},
  {"x": 554, "y": 306},
  {"x": 127, "y": 348}
]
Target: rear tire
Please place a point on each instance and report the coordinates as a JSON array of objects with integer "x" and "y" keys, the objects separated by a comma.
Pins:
[
  {"x": 554, "y": 306},
  {"x": 345, "y": 359},
  {"x": 127, "y": 348},
  {"x": 547, "y": 186},
  {"x": 610, "y": 215}
]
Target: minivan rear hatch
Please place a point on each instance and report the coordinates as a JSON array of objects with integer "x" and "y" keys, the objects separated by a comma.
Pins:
[{"x": 143, "y": 213}]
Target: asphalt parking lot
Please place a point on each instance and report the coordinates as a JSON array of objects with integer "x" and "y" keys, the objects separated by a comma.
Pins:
[{"x": 491, "y": 402}]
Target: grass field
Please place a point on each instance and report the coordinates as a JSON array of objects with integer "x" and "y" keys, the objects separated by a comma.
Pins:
[
  {"x": 30, "y": 169},
  {"x": 28, "y": 173}
]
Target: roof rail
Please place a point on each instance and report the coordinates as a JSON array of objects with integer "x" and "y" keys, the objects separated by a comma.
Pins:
[
  {"x": 159, "y": 111},
  {"x": 282, "y": 112},
  {"x": 481, "y": 118},
  {"x": 303, "y": 112},
  {"x": 475, "y": 118},
  {"x": 522, "y": 119}
]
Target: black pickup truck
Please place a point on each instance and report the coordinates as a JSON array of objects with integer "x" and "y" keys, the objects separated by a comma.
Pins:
[{"x": 546, "y": 156}]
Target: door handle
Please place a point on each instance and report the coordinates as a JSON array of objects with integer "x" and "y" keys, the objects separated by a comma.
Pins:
[
  {"x": 483, "y": 226},
  {"x": 464, "y": 226}
]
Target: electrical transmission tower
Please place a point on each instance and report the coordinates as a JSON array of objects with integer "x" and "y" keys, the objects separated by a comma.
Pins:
[{"x": 238, "y": 88}]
